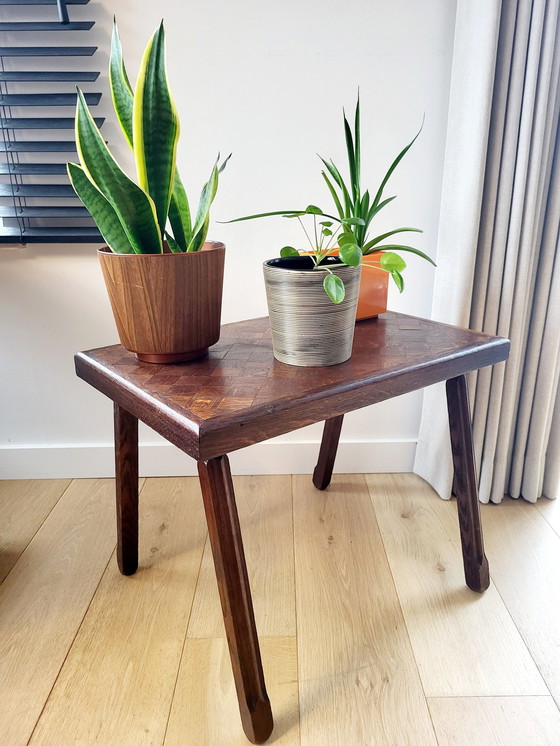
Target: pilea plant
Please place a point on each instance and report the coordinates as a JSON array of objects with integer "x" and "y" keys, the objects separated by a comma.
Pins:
[
  {"x": 355, "y": 211},
  {"x": 136, "y": 218}
]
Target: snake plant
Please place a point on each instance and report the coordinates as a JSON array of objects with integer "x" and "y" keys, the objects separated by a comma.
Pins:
[{"x": 136, "y": 218}]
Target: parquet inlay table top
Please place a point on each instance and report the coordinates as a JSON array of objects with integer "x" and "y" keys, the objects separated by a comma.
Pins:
[
  {"x": 235, "y": 396},
  {"x": 240, "y": 395}
]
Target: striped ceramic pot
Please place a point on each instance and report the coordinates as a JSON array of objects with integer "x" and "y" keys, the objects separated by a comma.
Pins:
[{"x": 307, "y": 327}]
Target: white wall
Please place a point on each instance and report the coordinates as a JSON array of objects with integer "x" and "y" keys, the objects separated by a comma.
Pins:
[{"x": 266, "y": 80}]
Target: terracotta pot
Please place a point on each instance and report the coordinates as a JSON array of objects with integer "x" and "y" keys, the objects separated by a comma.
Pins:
[
  {"x": 167, "y": 307},
  {"x": 374, "y": 286},
  {"x": 307, "y": 327}
]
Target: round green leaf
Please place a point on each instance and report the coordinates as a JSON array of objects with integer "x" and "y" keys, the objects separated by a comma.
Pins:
[
  {"x": 398, "y": 278},
  {"x": 351, "y": 254},
  {"x": 326, "y": 232},
  {"x": 346, "y": 238},
  {"x": 313, "y": 210},
  {"x": 334, "y": 288},
  {"x": 391, "y": 261},
  {"x": 353, "y": 221},
  {"x": 288, "y": 251},
  {"x": 326, "y": 223}
]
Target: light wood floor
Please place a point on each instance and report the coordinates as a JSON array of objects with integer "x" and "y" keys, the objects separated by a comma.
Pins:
[{"x": 369, "y": 635}]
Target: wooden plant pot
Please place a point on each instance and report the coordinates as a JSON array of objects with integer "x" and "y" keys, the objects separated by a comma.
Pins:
[
  {"x": 307, "y": 327},
  {"x": 167, "y": 307},
  {"x": 374, "y": 286}
]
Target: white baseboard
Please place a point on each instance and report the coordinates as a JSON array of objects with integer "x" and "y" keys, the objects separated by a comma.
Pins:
[{"x": 163, "y": 459}]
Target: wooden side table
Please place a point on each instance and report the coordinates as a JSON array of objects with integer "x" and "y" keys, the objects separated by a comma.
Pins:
[{"x": 239, "y": 395}]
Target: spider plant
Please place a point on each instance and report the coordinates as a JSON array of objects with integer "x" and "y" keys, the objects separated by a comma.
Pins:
[
  {"x": 134, "y": 217},
  {"x": 355, "y": 211}
]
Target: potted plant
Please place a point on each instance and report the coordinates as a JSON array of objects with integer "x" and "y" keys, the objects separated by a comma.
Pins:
[
  {"x": 312, "y": 298},
  {"x": 355, "y": 210},
  {"x": 163, "y": 278}
]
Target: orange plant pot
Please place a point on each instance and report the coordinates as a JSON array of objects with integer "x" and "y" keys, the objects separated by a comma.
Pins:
[{"x": 374, "y": 286}]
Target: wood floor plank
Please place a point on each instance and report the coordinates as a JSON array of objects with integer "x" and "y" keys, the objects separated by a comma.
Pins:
[
  {"x": 117, "y": 684},
  {"x": 465, "y": 643},
  {"x": 359, "y": 683},
  {"x": 24, "y": 505},
  {"x": 44, "y": 598},
  {"x": 496, "y": 721},
  {"x": 550, "y": 509},
  {"x": 525, "y": 564},
  {"x": 265, "y": 513},
  {"x": 205, "y": 709}
]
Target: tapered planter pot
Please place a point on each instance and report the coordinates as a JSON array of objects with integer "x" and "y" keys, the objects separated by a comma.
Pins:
[
  {"x": 307, "y": 327},
  {"x": 167, "y": 307},
  {"x": 374, "y": 286}
]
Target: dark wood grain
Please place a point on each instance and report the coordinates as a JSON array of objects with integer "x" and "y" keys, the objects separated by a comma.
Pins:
[
  {"x": 465, "y": 484},
  {"x": 235, "y": 594},
  {"x": 239, "y": 394},
  {"x": 166, "y": 306},
  {"x": 327, "y": 452},
  {"x": 126, "y": 483}
]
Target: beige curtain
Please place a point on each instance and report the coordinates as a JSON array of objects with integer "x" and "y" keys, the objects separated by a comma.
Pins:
[{"x": 498, "y": 245}]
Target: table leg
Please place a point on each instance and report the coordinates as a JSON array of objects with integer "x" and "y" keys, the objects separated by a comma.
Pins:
[
  {"x": 235, "y": 594},
  {"x": 126, "y": 479},
  {"x": 465, "y": 485},
  {"x": 327, "y": 453}
]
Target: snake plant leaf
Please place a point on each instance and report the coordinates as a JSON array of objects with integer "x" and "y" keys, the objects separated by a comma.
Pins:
[
  {"x": 206, "y": 198},
  {"x": 399, "y": 247},
  {"x": 334, "y": 288},
  {"x": 173, "y": 245},
  {"x": 155, "y": 127},
  {"x": 121, "y": 90},
  {"x": 101, "y": 210},
  {"x": 286, "y": 251},
  {"x": 135, "y": 209},
  {"x": 180, "y": 214},
  {"x": 200, "y": 237}
]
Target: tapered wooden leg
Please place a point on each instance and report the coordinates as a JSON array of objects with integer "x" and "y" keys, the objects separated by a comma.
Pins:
[
  {"x": 126, "y": 477},
  {"x": 235, "y": 594},
  {"x": 327, "y": 453},
  {"x": 465, "y": 485}
]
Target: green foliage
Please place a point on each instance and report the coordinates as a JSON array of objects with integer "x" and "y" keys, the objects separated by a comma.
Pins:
[
  {"x": 355, "y": 211},
  {"x": 133, "y": 217}
]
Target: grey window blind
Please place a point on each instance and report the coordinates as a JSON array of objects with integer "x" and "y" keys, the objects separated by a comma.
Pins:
[{"x": 37, "y": 101}]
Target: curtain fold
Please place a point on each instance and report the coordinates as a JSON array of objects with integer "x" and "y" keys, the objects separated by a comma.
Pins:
[{"x": 511, "y": 225}]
